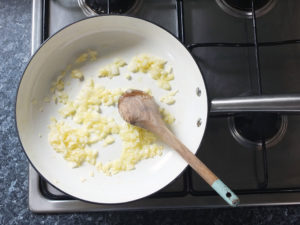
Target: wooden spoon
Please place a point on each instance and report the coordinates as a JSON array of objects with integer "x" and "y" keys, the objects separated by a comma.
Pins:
[{"x": 139, "y": 109}]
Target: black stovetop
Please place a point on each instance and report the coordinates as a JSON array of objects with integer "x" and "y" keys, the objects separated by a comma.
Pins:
[{"x": 238, "y": 57}]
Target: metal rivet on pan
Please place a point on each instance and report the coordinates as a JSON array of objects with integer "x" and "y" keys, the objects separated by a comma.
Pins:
[
  {"x": 199, "y": 122},
  {"x": 198, "y": 91}
]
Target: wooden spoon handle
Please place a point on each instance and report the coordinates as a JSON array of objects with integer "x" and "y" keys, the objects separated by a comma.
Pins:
[{"x": 224, "y": 191}]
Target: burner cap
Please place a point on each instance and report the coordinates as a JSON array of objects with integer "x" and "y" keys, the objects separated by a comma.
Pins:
[
  {"x": 249, "y": 129},
  {"x": 98, "y": 7},
  {"x": 243, "y": 8}
]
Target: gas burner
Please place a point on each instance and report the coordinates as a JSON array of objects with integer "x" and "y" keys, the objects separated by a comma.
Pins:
[
  {"x": 243, "y": 8},
  {"x": 250, "y": 129},
  {"x": 99, "y": 7}
]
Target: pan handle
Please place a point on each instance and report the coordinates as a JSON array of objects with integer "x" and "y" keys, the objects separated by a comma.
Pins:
[{"x": 264, "y": 103}]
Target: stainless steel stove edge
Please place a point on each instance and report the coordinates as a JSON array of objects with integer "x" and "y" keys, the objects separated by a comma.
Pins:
[
  {"x": 36, "y": 21},
  {"x": 40, "y": 204}
]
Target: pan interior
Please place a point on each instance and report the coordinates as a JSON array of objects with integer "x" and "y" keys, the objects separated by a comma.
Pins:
[{"x": 111, "y": 36}]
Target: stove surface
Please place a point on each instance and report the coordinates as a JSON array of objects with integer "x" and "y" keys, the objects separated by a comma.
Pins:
[{"x": 259, "y": 177}]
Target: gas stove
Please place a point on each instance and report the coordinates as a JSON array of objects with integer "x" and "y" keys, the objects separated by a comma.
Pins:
[{"x": 249, "y": 56}]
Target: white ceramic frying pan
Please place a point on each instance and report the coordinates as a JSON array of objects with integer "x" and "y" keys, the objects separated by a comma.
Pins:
[{"x": 111, "y": 36}]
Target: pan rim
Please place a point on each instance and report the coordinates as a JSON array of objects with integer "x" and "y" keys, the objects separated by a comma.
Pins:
[{"x": 41, "y": 46}]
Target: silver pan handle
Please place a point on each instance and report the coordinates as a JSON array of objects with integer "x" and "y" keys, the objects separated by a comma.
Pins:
[{"x": 264, "y": 103}]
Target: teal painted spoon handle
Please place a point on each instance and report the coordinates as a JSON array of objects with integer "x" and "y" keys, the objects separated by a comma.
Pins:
[{"x": 224, "y": 191}]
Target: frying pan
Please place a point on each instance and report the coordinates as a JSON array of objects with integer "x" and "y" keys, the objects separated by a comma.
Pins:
[{"x": 111, "y": 36}]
